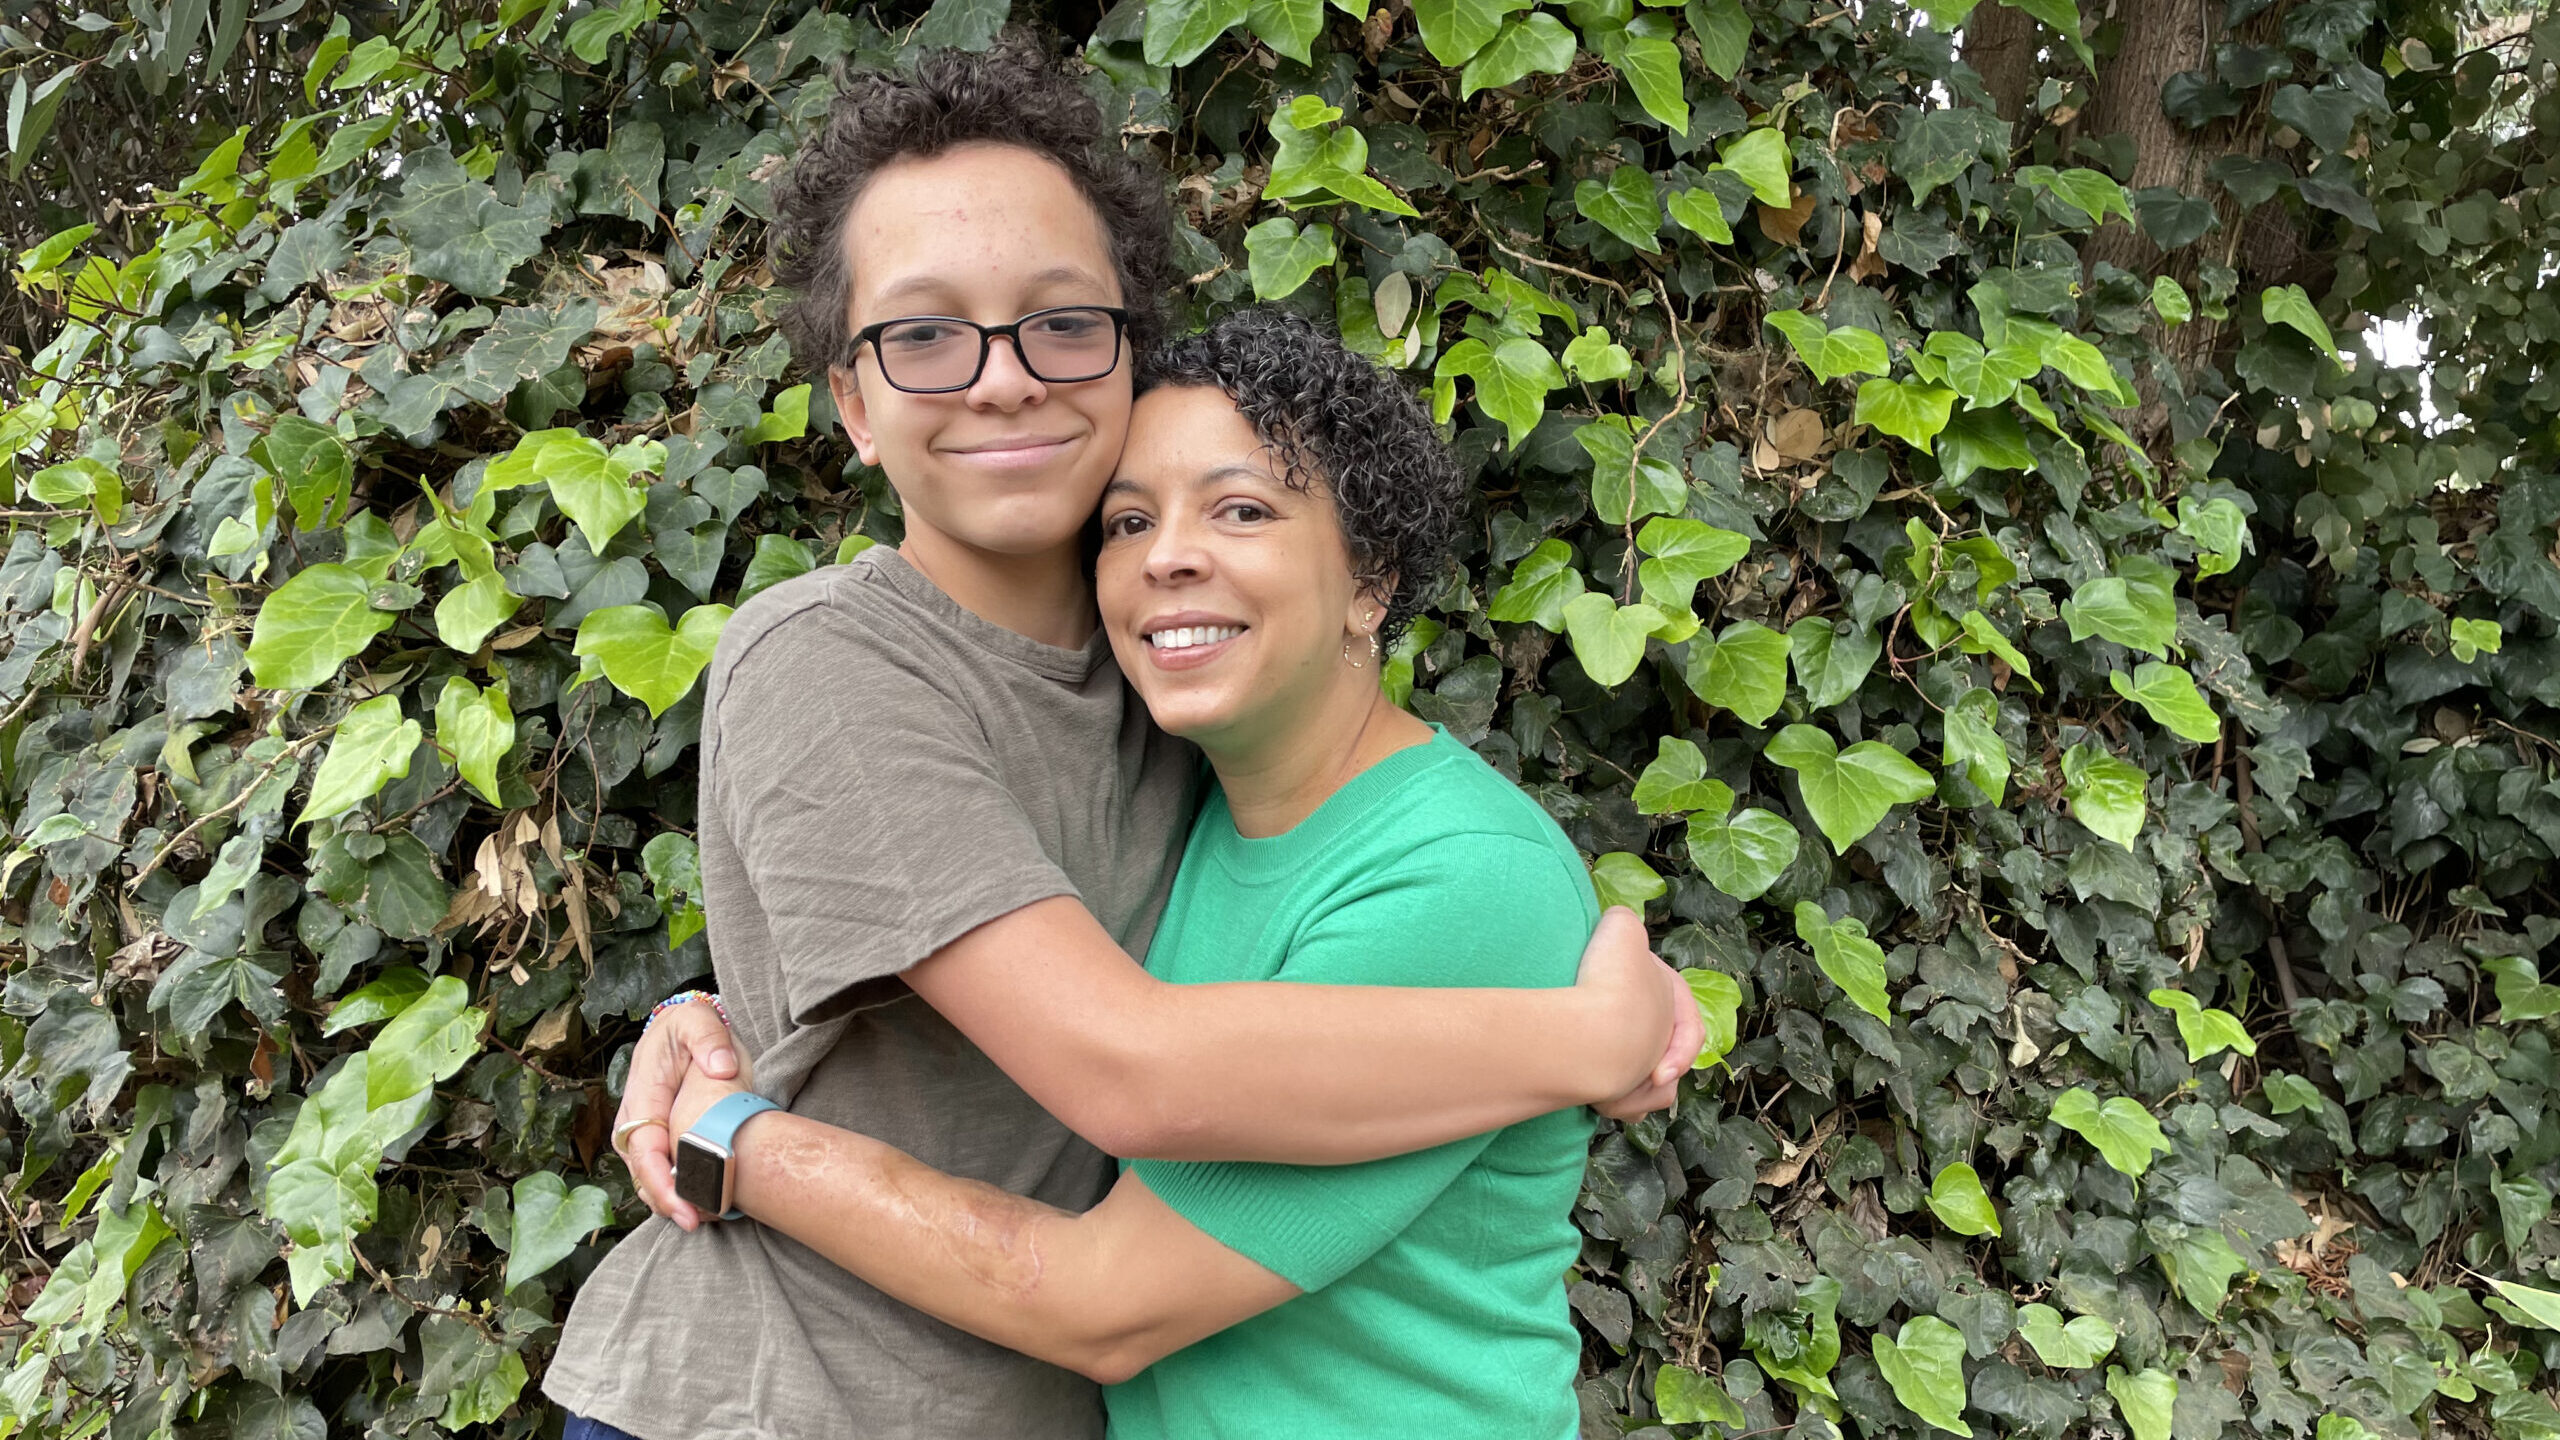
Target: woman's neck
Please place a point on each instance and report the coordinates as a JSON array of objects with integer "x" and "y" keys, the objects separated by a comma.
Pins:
[
  {"x": 1044, "y": 597},
  {"x": 1277, "y": 779}
]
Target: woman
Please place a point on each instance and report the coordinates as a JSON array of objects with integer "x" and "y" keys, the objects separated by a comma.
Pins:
[{"x": 1279, "y": 513}]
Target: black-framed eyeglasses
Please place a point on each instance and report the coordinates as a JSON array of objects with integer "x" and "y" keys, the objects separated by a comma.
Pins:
[{"x": 938, "y": 354}]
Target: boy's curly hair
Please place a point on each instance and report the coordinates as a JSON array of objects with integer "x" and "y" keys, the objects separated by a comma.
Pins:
[
  {"x": 1017, "y": 93},
  {"x": 1339, "y": 421}
]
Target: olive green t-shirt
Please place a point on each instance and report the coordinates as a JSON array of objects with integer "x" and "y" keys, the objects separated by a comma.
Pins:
[
  {"x": 882, "y": 772},
  {"x": 1435, "y": 1281}
]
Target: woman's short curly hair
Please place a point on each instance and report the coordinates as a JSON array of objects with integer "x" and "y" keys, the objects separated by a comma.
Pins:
[
  {"x": 1017, "y": 93},
  {"x": 1338, "y": 421}
]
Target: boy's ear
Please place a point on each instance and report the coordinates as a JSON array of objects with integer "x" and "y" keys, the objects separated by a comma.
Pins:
[{"x": 846, "y": 386}]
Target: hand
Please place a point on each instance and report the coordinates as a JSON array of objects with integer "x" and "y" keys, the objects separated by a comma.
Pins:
[
  {"x": 701, "y": 1091},
  {"x": 1661, "y": 1089},
  {"x": 1647, "y": 1015},
  {"x": 687, "y": 1039}
]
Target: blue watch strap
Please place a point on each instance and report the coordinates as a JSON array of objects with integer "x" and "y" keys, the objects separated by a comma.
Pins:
[{"x": 719, "y": 1126}]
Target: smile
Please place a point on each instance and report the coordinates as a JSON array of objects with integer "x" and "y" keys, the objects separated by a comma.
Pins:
[{"x": 1192, "y": 637}]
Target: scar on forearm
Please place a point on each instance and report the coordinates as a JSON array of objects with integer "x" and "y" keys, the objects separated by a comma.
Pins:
[{"x": 991, "y": 1235}]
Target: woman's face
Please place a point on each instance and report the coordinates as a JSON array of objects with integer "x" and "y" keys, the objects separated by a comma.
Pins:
[
  {"x": 1228, "y": 596},
  {"x": 990, "y": 233}
]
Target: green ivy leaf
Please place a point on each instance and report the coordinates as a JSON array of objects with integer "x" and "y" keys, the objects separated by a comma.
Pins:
[
  {"x": 1973, "y": 741},
  {"x": 1623, "y": 205},
  {"x": 1743, "y": 670},
  {"x": 80, "y": 481},
  {"x": 2064, "y": 18},
  {"x": 1533, "y": 44},
  {"x": 1177, "y": 31},
  {"x": 1676, "y": 781},
  {"x": 1925, "y": 1367},
  {"x": 1283, "y": 255},
  {"x": 313, "y": 623},
  {"x": 777, "y": 558},
  {"x": 1608, "y": 638},
  {"x": 2200, "y": 1265},
  {"x": 2473, "y": 638},
  {"x": 315, "y": 469},
  {"x": 2290, "y": 305},
  {"x": 2083, "y": 1342},
  {"x": 1742, "y": 855},
  {"x": 1626, "y": 488},
  {"x": 398, "y": 988},
  {"x": 1699, "y": 212},
  {"x": 787, "y": 420},
  {"x": 1905, "y": 410},
  {"x": 1682, "y": 1396},
  {"x": 1831, "y": 353},
  {"x": 1593, "y": 356},
  {"x": 1851, "y": 960},
  {"x": 1511, "y": 379},
  {"x": 1288, "y": 26},
  {"x": 425, "y": 1043},
  {"x": 2205, "y": 1031},
  {"x": 549, "y": 1220},
  {"x": 1719, "y": 1001},
  {"x": 2134, "y": 607},
  {"x": 2106, "y": 793},
  {"x": 1979, "y": 636},
  {"x": 2086, "y": 366},
  {"x": 370, "y": 750},
  {"x": 2169, "y": 301},
  {"x": 1651, "y": 65},
  {"x": 1984, "y": 378},
  {"x": 2521, "y": 994},
  {"x": 1454, "y": 30},
  {"x": 970, "y": 25},
  {"x": 468, "y": 612},
  {"x": 2539, "y": 1307},
  {"x": 2220, "y": 530},
  {"x": 1759, "y": 159},
  {"x": 1317, "y": 158},
  {"x": 673, "y": 864},
  {"x": 1956, "y": 1197},
  {"x": 2093, "y": 193},
  {"x": 1848, "y": 791},
  {"x": 2147, "y": 1398},
  {"x": 1684, "y": 554},
  {"x": 2123, "y": 1131},
  {"x": 2168, "y": 694},
  {"x": 643, "y": 657},
  {"x": 1623, "y": 879},
  {"x": 1539, "y": 588},
  {"x": 1832, "y": 658},
  {"x": 1724, "y": 34},
  {"x": 477, "y": 728}
]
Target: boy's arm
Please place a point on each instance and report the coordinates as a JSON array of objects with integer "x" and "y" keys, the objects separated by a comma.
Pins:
[
  {"x": 1105, "y": 1293},
  {"x": 1304, "y": 1074}
]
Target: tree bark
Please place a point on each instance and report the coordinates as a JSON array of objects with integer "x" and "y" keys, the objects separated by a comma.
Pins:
[{"x": 2000, "y": 44}]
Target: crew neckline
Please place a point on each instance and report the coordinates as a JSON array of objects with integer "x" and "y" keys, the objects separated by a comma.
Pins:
[
  {"x": 1058, "y": 662},
  {"x": 1261, "y": 857}
]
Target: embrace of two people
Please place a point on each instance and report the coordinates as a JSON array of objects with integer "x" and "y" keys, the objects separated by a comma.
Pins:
[{"x": 949, "y": 790}]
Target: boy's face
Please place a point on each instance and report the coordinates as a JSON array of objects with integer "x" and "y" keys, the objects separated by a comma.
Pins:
[{"x": 990, "y": 233}]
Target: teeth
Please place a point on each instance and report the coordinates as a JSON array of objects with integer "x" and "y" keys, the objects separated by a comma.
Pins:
[{"x": 1185, "y": 637}]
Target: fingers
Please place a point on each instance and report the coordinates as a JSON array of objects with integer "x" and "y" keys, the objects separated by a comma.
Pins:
[
  {"x": 1688, "y": 1032},
  {"x": 695, "y": 1031}
]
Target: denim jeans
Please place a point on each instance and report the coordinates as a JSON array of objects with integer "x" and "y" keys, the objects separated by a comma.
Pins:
[{"x": 582, "y": 1428}]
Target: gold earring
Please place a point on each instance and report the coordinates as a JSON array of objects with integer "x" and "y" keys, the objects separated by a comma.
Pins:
[{"x": 1357, "y": 664}]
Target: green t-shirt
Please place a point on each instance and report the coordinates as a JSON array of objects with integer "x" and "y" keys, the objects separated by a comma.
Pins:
[{"x": 1435, "y": 1301}]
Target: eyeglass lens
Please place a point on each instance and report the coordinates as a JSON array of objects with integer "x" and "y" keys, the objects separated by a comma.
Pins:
[{"x": 1057, "y": 346}]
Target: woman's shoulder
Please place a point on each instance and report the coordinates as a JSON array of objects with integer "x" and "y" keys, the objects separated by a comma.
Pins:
[{"x": 1460, "y": 809}]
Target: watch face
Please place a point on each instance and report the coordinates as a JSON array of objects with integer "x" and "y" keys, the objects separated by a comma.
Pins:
[{"x": 701, "y": 1175}]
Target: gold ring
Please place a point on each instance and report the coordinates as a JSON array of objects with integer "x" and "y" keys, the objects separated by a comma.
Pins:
[{"x": 625, "y": 1130}]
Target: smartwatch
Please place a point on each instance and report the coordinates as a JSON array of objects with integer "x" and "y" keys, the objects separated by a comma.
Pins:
[{"x": 704, "y": 1179}]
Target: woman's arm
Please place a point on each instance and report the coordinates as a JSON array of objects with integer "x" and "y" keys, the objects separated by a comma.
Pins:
[
  {"x": 1301, "y": 1074},
  {"x": 1105, "y": 1293}
]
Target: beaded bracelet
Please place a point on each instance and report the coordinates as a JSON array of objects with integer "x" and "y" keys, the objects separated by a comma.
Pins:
[{"x": 679, "y": 998}]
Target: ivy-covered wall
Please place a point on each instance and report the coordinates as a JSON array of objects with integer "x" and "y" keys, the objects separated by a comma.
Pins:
[{"x": 2023, "y": 538}]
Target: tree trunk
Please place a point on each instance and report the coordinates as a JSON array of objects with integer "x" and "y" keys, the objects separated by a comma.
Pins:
[{"x": 2000, "y": 44}]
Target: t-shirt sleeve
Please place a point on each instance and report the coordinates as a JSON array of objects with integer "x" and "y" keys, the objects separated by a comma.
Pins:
[
  {"x": 1467, "y": 910},
  {"x": 865, "y": 806}
]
